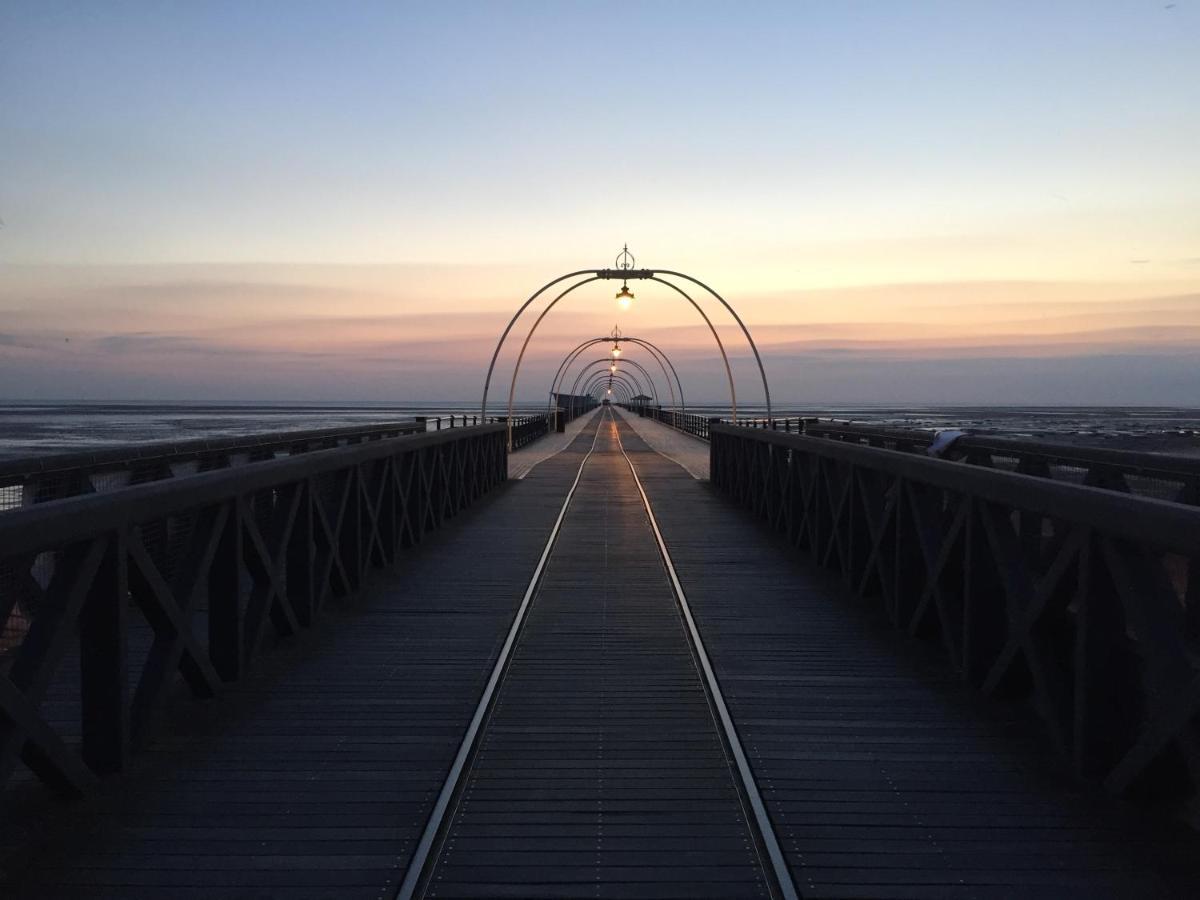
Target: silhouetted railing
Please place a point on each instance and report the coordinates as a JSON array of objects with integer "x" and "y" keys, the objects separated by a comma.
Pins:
[
  {"x": 788, "y": 425},
  {"x": 689, "y": 423},
  {"x": 572, "y": 406},
  {"x": 26, "y": 481},
  {"x": 1158, "y": 475},
  {"x": 436, "y": 423},
  {"x": 1084, "y": 601},
  {"x": 527, "y": 429},
  {"x": 188, "y": 576}
]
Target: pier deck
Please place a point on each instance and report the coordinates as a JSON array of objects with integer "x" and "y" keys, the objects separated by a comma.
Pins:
[{"x": 601, "y": 767}]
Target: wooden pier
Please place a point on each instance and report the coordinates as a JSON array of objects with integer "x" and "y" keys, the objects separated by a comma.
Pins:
[{"x": 606, "y": 679}]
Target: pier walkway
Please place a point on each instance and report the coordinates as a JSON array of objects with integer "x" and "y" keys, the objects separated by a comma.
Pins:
[{"x": 602, "y": 680}]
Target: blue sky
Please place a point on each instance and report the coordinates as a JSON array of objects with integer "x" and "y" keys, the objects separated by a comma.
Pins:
[{"x": 281, "y": 164}]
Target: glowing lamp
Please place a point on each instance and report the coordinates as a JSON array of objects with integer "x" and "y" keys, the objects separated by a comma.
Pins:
[
  {"x": 613, "y": 368},
  {"x": 616, "y": 350},
  {"x": 624, "y": 297}
]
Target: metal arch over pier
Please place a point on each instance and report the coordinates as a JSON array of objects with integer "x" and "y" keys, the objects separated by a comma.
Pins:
[
  {"x": 654, "y": 395},
  {"x": 592, "y": 369},
  {"x": 664, "y": 363},
  {"x": 586, "y": 372},
  {"x": 604, "y": 379},
  {"x": 626, "y": 272},
  {"x": 603, "y": 679},
  {"x": 626, "y": 361},
  {"x": 650, "y": 277},
  {"x": 621, "y": 393}
]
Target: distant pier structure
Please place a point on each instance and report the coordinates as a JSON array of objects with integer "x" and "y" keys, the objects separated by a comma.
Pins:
[{"x": 543, "y": 655}]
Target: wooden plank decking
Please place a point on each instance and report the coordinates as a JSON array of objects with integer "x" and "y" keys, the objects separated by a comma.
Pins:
[{"x": 601, "y": 770}]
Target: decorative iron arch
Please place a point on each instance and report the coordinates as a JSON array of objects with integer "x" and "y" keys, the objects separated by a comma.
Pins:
[
  {"x": 625, "y": 275},
  {"x": 512, "y": 388},
  {"x": 622, "y": 391},
  {"x": 598, "y": 378},
  {"x": 624, "y": 379},
  {"x": 654, "y": 387},
  {"x": 645, "y": 374},
  {"x": 659, "y": 356},
  {"x": 608, "y": 362}
]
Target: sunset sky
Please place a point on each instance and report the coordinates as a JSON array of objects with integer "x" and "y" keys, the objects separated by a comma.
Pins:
[{"x": 935, "y": 202}]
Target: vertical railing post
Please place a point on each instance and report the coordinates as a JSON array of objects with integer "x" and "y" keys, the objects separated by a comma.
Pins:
[
  {"x": 104, "y": 711},
  {"x": 350, "y": 539},
  {"x": 227, "y": 599},
  {"x": 985, "y": 618},
  {"x": 300, "y": 560}
]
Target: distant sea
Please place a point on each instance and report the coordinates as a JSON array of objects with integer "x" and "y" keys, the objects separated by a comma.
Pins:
[{"x": 30, "y": 429}]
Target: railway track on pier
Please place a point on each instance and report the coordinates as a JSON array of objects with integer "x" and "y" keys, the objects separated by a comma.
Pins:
[{"x": 601, "y": 759}]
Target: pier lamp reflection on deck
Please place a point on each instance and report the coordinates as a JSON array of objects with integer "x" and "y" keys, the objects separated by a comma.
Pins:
[{"x": 624, "y": 297}]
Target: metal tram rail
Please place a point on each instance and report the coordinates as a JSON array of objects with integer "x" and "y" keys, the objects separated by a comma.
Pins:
[
  {"x": 424, "y": 859},
  {"x": 779, "y": 877}
]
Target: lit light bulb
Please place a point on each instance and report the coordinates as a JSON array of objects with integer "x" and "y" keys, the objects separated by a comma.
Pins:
[
  {"x": 613, "y": 368},
  {"x": 616, "y": 350},
  {"x": 624, "y": 297},
  {"x": 610, "y": 390}
]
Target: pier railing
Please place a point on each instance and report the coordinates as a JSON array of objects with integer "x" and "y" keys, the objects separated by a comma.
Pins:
[
  {"x": 688, "y": 423},
  {"x": 106, "y": 600},
  {"x": 26, "y": 481},
  {"x": 1159, "y": 475},
  {"x": 1084, "y": 601},
  {"x": 527, "y": 429},
  {"x": 572, "y": 406}
]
